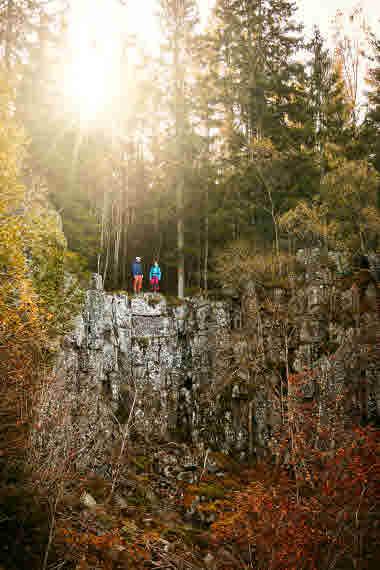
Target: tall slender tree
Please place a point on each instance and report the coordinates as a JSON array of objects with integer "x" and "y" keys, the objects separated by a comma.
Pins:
[
  {"x": 326, "y": 111},
  {"x": 373, "y": 110},
  {"x": 371, "y": 127},
  {"x": 351, "y": 34},
  {"x": 179, "y": 18},
  {"x": 253, "y": 69},
  {"x": 257, "y": 42}
]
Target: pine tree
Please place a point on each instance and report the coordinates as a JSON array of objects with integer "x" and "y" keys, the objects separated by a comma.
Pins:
[
  {"x": 257, "y": 42},
  {"x": 252, "y": 46},
  {"x": 326, "y": 118},
  {"x": 370, "y": 132},
  {"x": 372, "y": 121}
]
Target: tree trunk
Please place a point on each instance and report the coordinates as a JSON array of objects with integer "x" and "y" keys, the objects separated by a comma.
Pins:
[
  {"x": 205, "y": 267},
  {"x": 125, "y": 224},
  {"x": 179, "y": 129},
  {"x": 206, "y": 210},
  {"x": 117, "y": 241},
  {"x": 180, "y": 239}
]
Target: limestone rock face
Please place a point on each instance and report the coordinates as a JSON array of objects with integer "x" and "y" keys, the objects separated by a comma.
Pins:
[
  {"x": 208, "y": 373},
  {"x": 137, "y": 356}
]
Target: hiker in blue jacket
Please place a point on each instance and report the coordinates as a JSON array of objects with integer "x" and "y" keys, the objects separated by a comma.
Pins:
[
  {"x": 137, "y": 275},
  {"x": 155, "y": 277}
]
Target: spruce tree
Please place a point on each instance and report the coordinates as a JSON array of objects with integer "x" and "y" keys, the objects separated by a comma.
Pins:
[
  {"x": 253, "y": 50},
  {"x": 370, "y": 138},
  {"x": 257, "y": 42},
  {"x": 372, "y": 122},
  {"x": 326, "y": 112}
]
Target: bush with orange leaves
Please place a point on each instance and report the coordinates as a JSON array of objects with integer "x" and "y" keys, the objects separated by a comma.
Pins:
[
  {"x": 20, "y": 322},
  {"x": 32, "y": 292},
  {"x": 26, "y": 327},
  {"x": 319, "y": 510}
]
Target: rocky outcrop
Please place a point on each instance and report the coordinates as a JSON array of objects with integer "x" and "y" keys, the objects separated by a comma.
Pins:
[
  {"x": 141, "y": 362},
  {"x": 209, "y": 373}
]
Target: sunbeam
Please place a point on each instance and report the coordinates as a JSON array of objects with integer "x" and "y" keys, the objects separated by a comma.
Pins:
[{"x": 92, "y": 71}]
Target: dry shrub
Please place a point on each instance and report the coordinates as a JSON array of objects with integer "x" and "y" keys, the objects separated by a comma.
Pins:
[
  {"x": 240, "y": 262},
  {"x": 24, "y": 340},
  {"x": 316, "y": 510}
]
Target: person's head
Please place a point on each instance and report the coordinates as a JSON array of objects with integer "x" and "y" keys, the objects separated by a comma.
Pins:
[
  {"x": 138, "y": 259},
  {"x": 155, "y": 262}
]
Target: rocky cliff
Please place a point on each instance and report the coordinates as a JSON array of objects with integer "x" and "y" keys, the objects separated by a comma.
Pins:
[{"x": 211, "y": 373}]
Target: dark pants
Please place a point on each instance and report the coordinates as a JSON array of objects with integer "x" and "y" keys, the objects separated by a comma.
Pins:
[{"x": 155, "y": 284}]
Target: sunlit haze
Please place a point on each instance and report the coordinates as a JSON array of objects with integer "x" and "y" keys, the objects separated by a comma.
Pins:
[
  {"x": 322, "y": 12},
  {"x": 96, "y": 29},
  {"x": 92, "y": 73},
  {"x": 95, "y": 38}
]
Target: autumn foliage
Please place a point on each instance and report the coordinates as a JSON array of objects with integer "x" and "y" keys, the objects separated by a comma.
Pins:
[
  {"x": 33, "y": 299},
  {"x": 317, "y": 509},
  {"x": 21, "y": 326},
  {"x": 27, "y": 328}
]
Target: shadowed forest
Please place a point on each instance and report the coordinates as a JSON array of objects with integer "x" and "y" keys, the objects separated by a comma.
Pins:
[{"x": 232, "y": 146}]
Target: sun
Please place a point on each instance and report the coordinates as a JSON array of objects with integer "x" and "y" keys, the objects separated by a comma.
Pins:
[
  {"x": 92, "y": 69},
  {"x": 95, "y": 66}
]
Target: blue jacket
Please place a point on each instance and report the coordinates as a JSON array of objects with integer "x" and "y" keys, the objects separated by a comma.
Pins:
[
  {"x": 136, "y": 268},
  {"x": 155, "y": 272}
]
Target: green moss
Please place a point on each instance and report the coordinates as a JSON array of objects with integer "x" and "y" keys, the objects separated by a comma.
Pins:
[
  {"x": 142, "y": 464},
  {"x": 136, "y": 500},
  {"x": 195, "y": 536},
  {"x": 212, "y": 491},
  {"x": 143, "y": 342},
  {"x": 192, "y": 291},
  {"x": 174, "y": 301}
]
